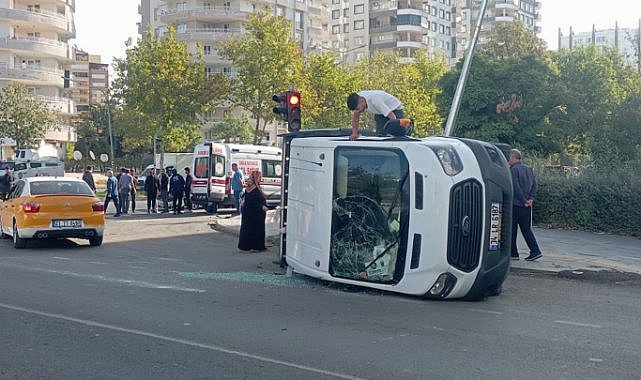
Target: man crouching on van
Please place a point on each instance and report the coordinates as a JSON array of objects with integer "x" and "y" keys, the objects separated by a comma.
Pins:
[{"x": 384, "y": 106}]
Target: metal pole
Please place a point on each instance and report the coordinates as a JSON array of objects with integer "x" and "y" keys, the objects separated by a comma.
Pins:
[
  {"x": 111, "y": 135},
  {"x": 458, "y": 94}
]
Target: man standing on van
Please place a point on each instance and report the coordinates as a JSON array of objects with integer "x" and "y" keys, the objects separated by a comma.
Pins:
[
  {"x": 524, "y": 186},
  {"x": 384, "y": 106},
  {"x": 237, "y": 184}
]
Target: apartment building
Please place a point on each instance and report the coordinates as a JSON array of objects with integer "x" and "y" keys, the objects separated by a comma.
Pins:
[
  {"x": 89, "y": 79},
  {"x": 626, "y": 40},
  {"x": 33, "y": 50},
  {"x": 497, "y": 12},
  {"x": 358, "y": 28},
  {"x": 207, "y": 23}
]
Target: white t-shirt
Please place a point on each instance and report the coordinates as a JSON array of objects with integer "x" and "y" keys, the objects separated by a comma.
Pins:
[{"x": 380, "y": 102}]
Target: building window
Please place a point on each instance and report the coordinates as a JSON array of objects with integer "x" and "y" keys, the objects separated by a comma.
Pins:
[
  {"x": 280, "y": 11},
  {"x": 336, "y": 1},
  {"x": 336, "y": 29},
  {"x": 298, "y": 20},
  {"x": 345, "y": 28},
  {"x": 336, "y": 14},
  {"x": 346, "y": 12},
  {"x": 207, "y": 50},
  {"x": 181, "y": 6},
  {"x": 359, "y": 9},
  {"x": 181, "y": 28},
  {"x": 359, "y": 24}
]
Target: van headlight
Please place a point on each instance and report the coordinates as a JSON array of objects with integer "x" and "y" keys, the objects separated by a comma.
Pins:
[
  {"x": 443, "y": 286},
  {"x": 449, "y": 159}
]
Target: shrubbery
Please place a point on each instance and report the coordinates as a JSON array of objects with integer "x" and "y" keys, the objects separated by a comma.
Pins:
[{"x": 609, "y": 202}]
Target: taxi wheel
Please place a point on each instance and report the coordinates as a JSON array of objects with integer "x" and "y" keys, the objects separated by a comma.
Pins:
[
  {"x": 18, "y": 242},
  {"x": 95, "y": 241},
  {"x": 2, "y": 234}
]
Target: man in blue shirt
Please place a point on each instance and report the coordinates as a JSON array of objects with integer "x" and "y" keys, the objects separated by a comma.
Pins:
[
  {"x": 237, "y": 185},
  {"x": 524, "y": 186},
  {"x": 112, "y": 192}
]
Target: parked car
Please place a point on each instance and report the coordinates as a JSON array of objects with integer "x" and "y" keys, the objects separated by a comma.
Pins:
[{"x": 51, "y": 208}]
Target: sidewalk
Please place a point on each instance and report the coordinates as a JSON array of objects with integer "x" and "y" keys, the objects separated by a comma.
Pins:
[{"x": 563, "y": 250}]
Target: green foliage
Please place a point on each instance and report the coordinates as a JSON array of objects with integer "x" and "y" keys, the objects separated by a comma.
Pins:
[
  {"x": 513, "y": 40},
  {"x": 266, "y": 60},
  {"x": 592, "y": 201},
  {"x": 23, "y": 118},
  {"x": 161, "y": 89},
  {"x": 233, "y": 129}
]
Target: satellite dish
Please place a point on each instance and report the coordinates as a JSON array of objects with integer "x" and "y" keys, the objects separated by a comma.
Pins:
[
  {"x": 93, "y": 156},
  {"x": 104, "y": 158},
  {"x": 77, "y": 156}
]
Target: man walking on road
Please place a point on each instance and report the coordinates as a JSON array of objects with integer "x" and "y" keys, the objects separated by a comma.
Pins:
[
  {"x": 237, "y": 185},
  {"x": 524, "y": 186},
  {"x": 112, "y": 192},
  {"x": 188, "y": 181},
  {"x": 152, "y": 188},
  {"x": 164, "y": 190},
  {"x": 177, "y": 188},
  {"x": 87, "y": 176}
]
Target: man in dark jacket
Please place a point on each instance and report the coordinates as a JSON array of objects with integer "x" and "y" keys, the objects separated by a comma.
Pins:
[
  {"x": 177, "y": 188},
  {"x": 152, "y": 188},
  {"x": 188, "y": 181},
  {"x": 5, "y": 182},
  {"x": 524, "y": 186},
  {"x": 88, "y": 177},
  {"x": 164, "y": 188}
]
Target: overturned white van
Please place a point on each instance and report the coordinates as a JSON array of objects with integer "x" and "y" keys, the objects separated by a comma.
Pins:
[{"x": 416, "y": 216}]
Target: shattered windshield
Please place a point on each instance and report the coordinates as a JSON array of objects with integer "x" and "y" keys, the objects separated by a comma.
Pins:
[{"x": 369, "y": 214}]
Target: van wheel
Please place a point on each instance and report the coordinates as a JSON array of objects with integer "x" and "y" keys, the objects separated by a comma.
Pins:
[
  {"x": 18, "y": 242},
  {"x": 95, "y": 241}
]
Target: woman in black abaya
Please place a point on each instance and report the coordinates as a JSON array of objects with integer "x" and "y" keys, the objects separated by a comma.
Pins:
[{"x": 253, "y": 212}]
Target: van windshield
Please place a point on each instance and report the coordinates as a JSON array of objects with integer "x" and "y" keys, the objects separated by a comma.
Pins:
[{"x": 369, "y": 214}]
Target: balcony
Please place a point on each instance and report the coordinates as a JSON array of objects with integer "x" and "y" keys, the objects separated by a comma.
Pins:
[
  {"x": 208, "y": 34},
  {"x": 509, "y": 4},
  {"x": 504, "y": 19},
  {"x": 63, "y": 105},
  {"x": 55, "y": 21},
  {"x": 206, "y": 14},
  {"x": 40, "y": 45},
  {"x": 64, "y": 133},
  {"x": 33, "y": 75},
  {"x": 384, "y": 28},
  {"x": 405, "y": 4}
]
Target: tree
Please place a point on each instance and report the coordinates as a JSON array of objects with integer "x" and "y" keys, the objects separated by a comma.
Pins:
[
  {"x": 160, "y": 90},
  {"x": 325, "y": 86},
  {"x": 23, "y": 118},
  {"x": 267, "y": 60},
  {"x": 233, "y": 129},
  {"x": 513, "y": 40}
]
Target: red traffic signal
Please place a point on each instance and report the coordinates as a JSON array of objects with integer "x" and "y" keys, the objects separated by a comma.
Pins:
[{"x": 293, "y": 111}]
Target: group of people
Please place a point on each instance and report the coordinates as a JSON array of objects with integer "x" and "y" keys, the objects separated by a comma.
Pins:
[{"x": 122, "y": 188}]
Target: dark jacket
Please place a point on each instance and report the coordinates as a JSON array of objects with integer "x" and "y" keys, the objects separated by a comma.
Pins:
[
  {"x": 88, "y": 177},
  {"x": 176, "y": 184},
  {"x": 164, "y": 182},
  {"x": 188, "y": 181},
  {"x": 523, "y": 182},
  {"x": 152, "y": 185}
]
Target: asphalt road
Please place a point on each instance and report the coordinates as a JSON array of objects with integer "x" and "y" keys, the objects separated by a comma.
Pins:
[{"x": 169, "y": 298}]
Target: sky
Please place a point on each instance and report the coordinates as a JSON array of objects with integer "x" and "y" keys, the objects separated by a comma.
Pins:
[{"x": 102, "y": 27}]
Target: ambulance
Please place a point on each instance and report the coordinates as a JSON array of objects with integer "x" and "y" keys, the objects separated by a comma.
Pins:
[
  {"x": 212, "y": 174},
  {"x": 428, "y": 217}
]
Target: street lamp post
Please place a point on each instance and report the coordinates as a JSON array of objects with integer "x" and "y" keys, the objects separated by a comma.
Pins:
[{"x": 111, "y": 135}]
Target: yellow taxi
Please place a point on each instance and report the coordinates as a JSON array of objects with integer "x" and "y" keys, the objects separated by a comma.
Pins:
[{"x": 51, "y": 208}]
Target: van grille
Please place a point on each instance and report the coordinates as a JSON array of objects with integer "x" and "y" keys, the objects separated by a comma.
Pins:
[{"x": 465, "y": 229}]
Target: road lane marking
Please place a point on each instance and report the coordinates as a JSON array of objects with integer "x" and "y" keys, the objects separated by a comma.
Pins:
[
  {"x": 487, "y": 311},
  {"x": 61, "y": 258},
  {"x": 185, "y": 342},
  {"x": 140, "y": 284},
  {"x": 579, "y": 324}
]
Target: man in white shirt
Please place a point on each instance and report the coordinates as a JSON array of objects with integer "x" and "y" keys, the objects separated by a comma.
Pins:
[{"x": 384, "y": 106}]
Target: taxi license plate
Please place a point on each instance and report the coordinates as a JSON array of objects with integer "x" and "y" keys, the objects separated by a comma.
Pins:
[
  {"x": 496, "y": 217},
  {"x": 66, "y": 223}
]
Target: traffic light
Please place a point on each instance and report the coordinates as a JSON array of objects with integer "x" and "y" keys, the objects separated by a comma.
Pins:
[
  {"x": 293, "y": 111},
  {"x": 281, "y": 109}
]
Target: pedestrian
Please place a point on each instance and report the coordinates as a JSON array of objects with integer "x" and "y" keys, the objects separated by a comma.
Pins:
[
  {"x": 188, "y": 180},
  {"x": 384, "y": 106},
  {"x": 524, "y": 186},
  {"x": 177, "y": 188},
  {"x": 124, "y": 187},
  {"x": 5, "y": 182},
  {"x": 237, "y": 185},
  {"x": 164, "y": 189},
  {"x": 253, "y": 213},
  {"x": 87, "y": 176},
  {"x": 134, "y": 183},
  {"x": 112, "y": 192},
  {"x": 152, "y": 188}
]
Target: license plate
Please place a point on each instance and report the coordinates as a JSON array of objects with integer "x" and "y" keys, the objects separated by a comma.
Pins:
[
  {"x": 66, "y": 223},
  {"x": 496, "y": 216}
]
